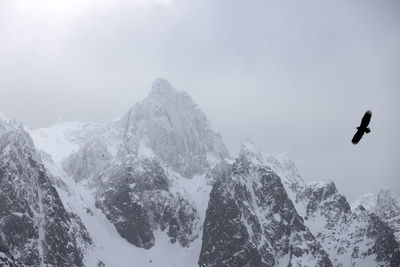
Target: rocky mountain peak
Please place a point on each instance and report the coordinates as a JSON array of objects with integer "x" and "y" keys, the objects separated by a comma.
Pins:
[
  {"x": 288, "y": 163},
  {"x": 162, "y": 87},
  {"x": 386, "y": 197},
  {"x": 175, "y": 129},
  {"x": 15, "y": 141},
  {"x": 368, "y": 201},
  {"x": 385, "y": 204},
  {"x": 2, "y": 117},
  {"x": 379, "y": 203},
  {"x": 282, "y": 164},
  {"x": 166, "y": 98},
  {"x": 249, "y": 150}
]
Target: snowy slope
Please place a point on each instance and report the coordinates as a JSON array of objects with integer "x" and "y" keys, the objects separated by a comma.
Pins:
[
  {"x": 108, "y": 246},
  {"x": 63, "y": 138}
]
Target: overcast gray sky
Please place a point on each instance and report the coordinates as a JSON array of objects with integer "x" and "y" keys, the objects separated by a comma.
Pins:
[{"x": 294, "y": 76}]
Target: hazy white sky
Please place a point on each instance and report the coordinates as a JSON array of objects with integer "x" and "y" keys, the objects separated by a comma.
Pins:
[{"x": 294, "y": 76}]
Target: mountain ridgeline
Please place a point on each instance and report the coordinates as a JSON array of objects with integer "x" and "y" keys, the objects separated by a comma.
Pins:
[{"x": 157, "y": 187}]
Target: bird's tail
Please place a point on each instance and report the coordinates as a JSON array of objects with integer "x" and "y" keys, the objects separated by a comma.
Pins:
[{"x": 367, "y": 130}]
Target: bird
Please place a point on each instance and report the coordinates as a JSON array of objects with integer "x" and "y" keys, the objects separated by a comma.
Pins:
[{"x": 363, "y": 128}]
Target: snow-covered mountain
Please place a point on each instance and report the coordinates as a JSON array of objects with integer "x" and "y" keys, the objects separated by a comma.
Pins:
[
  {"x": 251, "y": 221},
  {"x": 157, "y": 187},
  {"x": 147, "y": 174},
  {"x": 356, "y": 238},
  {"x": 385, "y": 205}
]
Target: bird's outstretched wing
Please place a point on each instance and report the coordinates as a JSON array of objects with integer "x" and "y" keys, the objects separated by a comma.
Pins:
[
  {"x": 366, "y": 119},
  {"x": 357, "y": 137}
]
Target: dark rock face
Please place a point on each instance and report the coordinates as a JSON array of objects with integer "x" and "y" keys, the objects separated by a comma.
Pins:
[
  {"x": 226, "y": 241},
  {"x": 34, "y": 226},
  {"x": 385, "y": 246},
  {"x": 250, "y": 221},
  {"x": 61, "y": 229},
  {"x": 6, "y": 259},
  {"x": 388, "y": 210},
  {"x": 137, "y": 199}
]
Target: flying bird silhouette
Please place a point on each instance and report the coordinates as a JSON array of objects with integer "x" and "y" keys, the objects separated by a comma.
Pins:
[{"x": 363, "y": 128}]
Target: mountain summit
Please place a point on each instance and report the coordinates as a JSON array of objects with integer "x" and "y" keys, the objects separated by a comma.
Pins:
[
  {"x": 2, "y": 117},
  {"x": 163, "y": 88},
  {"x": 175, "y": 129}
]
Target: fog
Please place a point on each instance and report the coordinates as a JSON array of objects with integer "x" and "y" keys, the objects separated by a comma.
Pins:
[{"x": 294, "y": 76}]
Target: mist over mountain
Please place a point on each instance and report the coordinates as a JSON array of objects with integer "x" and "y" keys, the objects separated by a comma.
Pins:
[{"x": 158, "y": 187}]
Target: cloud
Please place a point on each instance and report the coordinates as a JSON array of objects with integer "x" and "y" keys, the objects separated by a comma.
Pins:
[{"x": 293, "y": 76}]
